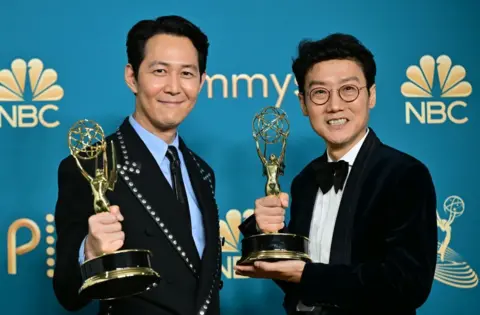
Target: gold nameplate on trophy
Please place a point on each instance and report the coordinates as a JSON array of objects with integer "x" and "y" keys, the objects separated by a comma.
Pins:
[
  {"x": 124, "y": 272},
  {"x": 271, "y": 127}
]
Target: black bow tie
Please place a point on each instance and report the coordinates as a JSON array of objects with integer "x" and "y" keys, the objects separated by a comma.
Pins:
[{"x": 331, "y": 174}]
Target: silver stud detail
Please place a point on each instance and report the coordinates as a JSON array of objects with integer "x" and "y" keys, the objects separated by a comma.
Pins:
[{"x": 134, "y": 168}]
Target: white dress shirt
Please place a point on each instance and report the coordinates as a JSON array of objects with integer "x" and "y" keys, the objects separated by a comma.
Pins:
[{"x": 325, "y": 215}]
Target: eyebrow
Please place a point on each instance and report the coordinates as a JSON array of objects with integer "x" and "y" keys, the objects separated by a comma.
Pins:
[
  {"x": 318, "y": 82},
  {"x": 166, "y": 64}
]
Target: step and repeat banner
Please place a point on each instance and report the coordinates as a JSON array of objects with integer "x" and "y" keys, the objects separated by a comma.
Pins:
[{"x": 64, "y": 61}]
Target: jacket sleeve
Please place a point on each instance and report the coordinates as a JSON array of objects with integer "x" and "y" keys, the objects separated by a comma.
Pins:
[
  {"x": 402, "y": 278},
  {"x": 73, "y": 208}
]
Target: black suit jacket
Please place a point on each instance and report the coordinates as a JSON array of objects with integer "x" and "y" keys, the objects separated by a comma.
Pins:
[
  {"x": 151, "y": 221},
  {"x": 384, "y": 246}
]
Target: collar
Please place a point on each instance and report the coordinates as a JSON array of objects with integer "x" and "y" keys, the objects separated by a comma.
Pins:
[
  {"x": 157, "y": 146},
  {"x": 351, "y": 155}
]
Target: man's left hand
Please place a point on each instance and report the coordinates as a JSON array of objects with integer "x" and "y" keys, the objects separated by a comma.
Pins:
[{"x": 288, "y": 270}]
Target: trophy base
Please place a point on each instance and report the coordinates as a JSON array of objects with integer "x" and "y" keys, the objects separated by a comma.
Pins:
[
  {"x": 274, "y": 247},
  {"x": 117, "y": 275}
]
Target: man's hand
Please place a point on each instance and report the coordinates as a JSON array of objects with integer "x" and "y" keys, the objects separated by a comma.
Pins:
[
  {"x": 288, "y": 270},
  {"x": 105, "y": 233},
  {"x": 270, "y": 212}
]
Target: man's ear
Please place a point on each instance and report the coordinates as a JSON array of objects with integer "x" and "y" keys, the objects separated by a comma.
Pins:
[
  {"x": 130, "y": 78},
  {"x": 372, "y": 99},
  {"x": 202, "y": 80},
  {"x": 303, "y": 106}
]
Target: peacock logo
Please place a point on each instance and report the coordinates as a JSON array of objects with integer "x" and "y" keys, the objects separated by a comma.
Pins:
[
  {"x": 231, "y": 246},
  {"x": 450, "y": 84},
  {"x": 42, "y": 89}
]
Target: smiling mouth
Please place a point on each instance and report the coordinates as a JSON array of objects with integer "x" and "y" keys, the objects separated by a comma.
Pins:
[
  {"x": 170, "y": 102},
  {"x": 337, "y": 122}
]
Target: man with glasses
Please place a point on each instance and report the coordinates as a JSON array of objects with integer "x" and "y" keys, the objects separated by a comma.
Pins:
[{"x": 369, "y": 210}]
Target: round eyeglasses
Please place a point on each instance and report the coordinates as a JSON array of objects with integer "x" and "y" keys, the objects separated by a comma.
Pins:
[{"x": 347, "y": 92}]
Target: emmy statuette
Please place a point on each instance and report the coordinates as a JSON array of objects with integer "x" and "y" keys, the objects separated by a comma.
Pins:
[
  {"x": 271, "y": 125},
  {"x": 124, "y": 272}
]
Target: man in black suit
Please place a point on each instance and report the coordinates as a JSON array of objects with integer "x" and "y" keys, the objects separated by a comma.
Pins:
[
  {"x": 369, "y": 210},
  {"x": 167, "y": 59}
]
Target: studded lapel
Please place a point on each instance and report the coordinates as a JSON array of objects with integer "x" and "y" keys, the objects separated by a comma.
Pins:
[
  {"x": 146, "y": 181},
  {"x": 141, "y": 173},
  {"x": 203, "y": 185}
]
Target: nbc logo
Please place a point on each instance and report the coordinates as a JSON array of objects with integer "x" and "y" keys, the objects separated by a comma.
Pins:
[
  {"x": 450, "y": 85},
  {"x": 42, "y": 90},
  {"x": 231, "y": 246}
]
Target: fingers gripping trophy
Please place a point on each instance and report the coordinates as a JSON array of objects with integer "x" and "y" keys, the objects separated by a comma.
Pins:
[
  {"x": 120, "y": 273},
  {"x": 271, "y": 127}
]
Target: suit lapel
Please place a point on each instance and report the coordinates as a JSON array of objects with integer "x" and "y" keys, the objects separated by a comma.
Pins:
[
  {"x": 146, "y": 181},
  {"x": 340, "y": 252},
  {"x": 199, "y": 179},
  {"x": 202, "y": 184}
]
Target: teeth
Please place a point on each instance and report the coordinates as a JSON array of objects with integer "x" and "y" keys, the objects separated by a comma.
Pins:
[{"x": 337, "y": 121}]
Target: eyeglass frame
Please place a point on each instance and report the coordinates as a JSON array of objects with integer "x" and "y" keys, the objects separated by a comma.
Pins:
[{"x": 338, "y": 92}]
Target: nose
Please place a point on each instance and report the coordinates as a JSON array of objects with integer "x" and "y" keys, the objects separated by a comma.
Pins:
[
  {"x": 335, "y": 103},
  {"x": 172, "y": 85}
]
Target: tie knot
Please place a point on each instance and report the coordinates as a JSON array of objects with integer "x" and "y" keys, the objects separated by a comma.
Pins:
[
  {"x": 330, "y": 174},
  {"x": 172, "y": 155},
  {"x": 339, "y": 165}
]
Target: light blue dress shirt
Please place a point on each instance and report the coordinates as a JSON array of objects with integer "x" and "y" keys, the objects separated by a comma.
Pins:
[{"x": 158, "y": 148}]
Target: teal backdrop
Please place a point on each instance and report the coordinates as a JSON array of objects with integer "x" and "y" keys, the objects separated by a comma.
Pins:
[{"x": 75, "y": 51}]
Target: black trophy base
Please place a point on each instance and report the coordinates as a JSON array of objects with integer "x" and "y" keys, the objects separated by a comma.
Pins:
[
  {"x": 274, "y": 247},
  {"x": 117, "y": 275}
]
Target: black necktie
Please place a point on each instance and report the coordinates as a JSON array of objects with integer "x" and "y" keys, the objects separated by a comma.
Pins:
[
  {"x": 332, "y": 174},
  {"x": 177, "y": 181}
]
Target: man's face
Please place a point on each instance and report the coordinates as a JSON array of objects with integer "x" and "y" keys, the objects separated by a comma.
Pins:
[
  {"x": 337, "y": 102},
  {"x": 168, "y": 82}
]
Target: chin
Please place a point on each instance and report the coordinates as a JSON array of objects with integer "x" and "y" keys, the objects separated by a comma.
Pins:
[
  {"x": 166, "y": 124},
  {"x": 337, "y": 138}
]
